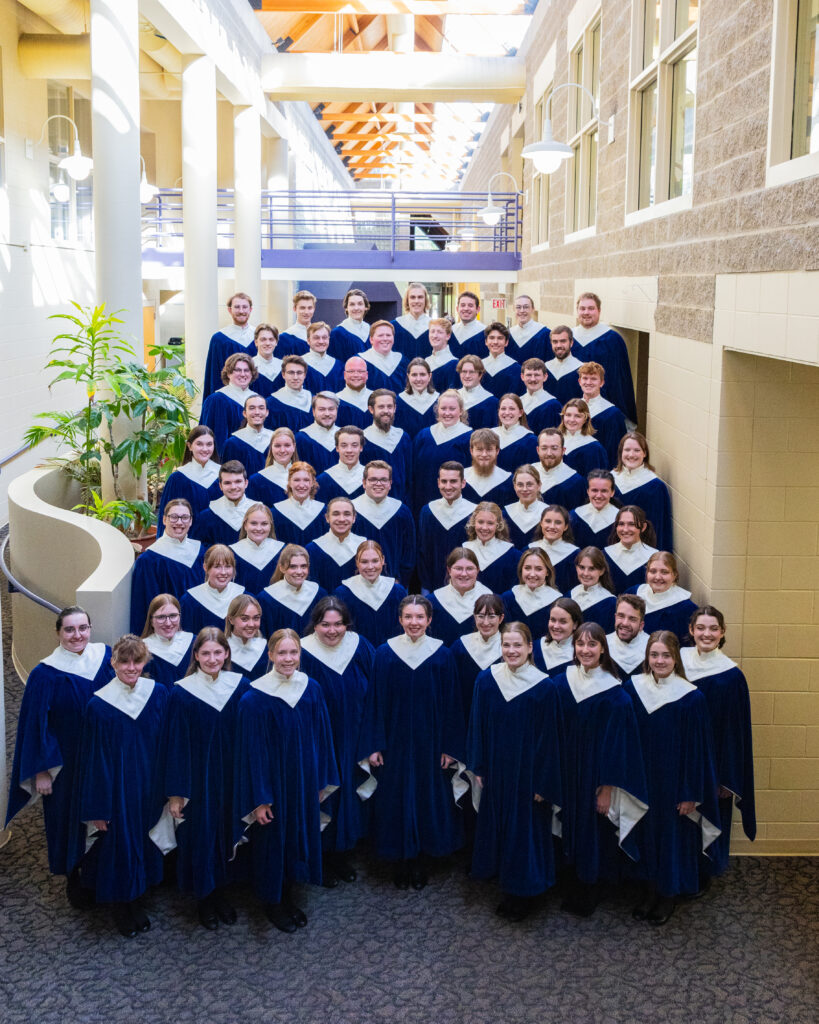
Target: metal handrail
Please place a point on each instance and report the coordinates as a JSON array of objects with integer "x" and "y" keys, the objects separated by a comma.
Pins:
[
  {"x": 6, "y": 459},
  {"x": 18, "y": 586}
]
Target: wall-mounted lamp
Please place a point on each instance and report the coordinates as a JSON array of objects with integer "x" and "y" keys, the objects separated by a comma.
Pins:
[
  {"x": 60, "y": 191},
  {"x": 548, "y": 154},
  {"x": 492, "y": 214},
  {"x": 77, "y": 165},
  {"x": 146, "y": 190}
]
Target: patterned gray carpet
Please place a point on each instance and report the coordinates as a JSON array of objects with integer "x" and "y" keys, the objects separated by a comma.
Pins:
[{"x": 747, "y": 953}]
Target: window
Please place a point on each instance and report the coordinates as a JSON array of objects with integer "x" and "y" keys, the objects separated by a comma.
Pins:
[
  {"x": 805, "y": 126},
  {"x": 71, "y": 202},
  {"x": 793, "y": 113},
  {"x": 540, "y": 183},
  {"x": 663, "y": 97},
  {"x": 585, "y": 69}
]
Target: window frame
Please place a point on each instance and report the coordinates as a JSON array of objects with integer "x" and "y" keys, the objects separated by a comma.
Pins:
[
  {"x": 580, "y": 219},
  {"x": 541, "y": 184},
  {"x": 77, "y": 212}
]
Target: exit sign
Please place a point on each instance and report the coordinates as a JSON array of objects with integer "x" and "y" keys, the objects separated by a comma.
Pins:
[{"x": 499, "y": 303}]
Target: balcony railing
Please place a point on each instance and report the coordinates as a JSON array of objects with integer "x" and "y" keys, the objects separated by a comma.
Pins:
[{"x": 365, "y": 228}]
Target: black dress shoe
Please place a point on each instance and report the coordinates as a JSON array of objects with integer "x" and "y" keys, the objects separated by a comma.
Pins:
[
  {"x": 581, "y": 900},
  {"x": 279, "y": 916},
  {"x": 141, "y": 920},
  {"x": 343, "y": 868},
  {"x": 418, "y": 877},
  {"x": 297, "y": 915},
  {"x": 401, "y": 877},
  {"x": 662, "y": 910},
  {"x": 78, "y": 897},
  {"x": 206, "y": 911},
  {"x": 647, "y": 900},
  {"x": 329, "y": 878},
  {"x": 225, "y": 911},
  {"x": 503, "y": 908},
  {"x": 520, "y": 907},
  {"x": 123, "y": 920}
]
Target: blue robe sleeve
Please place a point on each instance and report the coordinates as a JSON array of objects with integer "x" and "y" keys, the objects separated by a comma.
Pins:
[{"x": 222, "y": 415}]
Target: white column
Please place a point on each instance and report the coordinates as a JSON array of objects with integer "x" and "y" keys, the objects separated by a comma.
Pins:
[
  {"x": 199, "y": 210},
  {"x": 115, "y": 127},
  {"x": 247, "y": 183},
  {"x": 279, "y": 305}
]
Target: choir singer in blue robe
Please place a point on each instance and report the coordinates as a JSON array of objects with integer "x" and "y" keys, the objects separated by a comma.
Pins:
[
  {"x": 196, "y": 480},
  {"x": 169, "y": 644},
  {"x": 412, "y": 327},
  {"x": 636, "y": 483},
  {"x": 371, "y": 597}
]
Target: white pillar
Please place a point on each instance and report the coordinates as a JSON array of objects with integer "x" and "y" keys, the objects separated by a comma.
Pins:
[
  {"x": 115, "y": 127},
  {"x": 199, "y": 211},
  {"x": 247, "y": 210},
  {"x": 279, "y": 306}
]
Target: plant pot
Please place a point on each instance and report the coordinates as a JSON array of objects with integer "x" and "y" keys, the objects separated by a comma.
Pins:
[{"x": 142, "y": 543}]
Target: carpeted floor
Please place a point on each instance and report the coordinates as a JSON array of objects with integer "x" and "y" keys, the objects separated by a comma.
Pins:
[{"x": 747, "y": 953}]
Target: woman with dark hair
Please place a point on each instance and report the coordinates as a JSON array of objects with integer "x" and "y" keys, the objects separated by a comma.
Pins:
[
  {"x": 453, "y": 605},
  {"x": 341, "y": 662},
  {"x": 48, "y": 737},
  {"x": 248, "y": 648},
  {"x": 223, "y": 410},
  {"x": 581, "y": 451},
  {"x": 269, "y": 484},
  {"x": 257, "y": 550},
  {"x": 488, "y": 538},
  {"x": 371, "y": 597},
  {"x": 524, "y": 514},
  {"x": 630, "y": 547},
  {"x": 668, "y": 606},
  {"x": 169, "y": 644},
  {"x": 554, "y": 535},
  {"x": 518, "y": 445},
  {"x": 682, "y": 822},
  {"x": 474, "y": 652},
  {"x": 207, "y": 603},
  {"x": 412, "y": 731},
  {"x": 594, "y": 591},
  {"x": 196, "y": 775},
  {"x": 726, "y": 693},
  {"x": 501, "y": 371},
  {"x": 196, "y": 480},
  {"x": 115, "y": 793},
  {"x": 513, "y": 752},
  {"x": 288, "y": 602},
  {"x": 415, "y": 405},
  {"x": 531, "y": 599},
  {"x": 591, "y": 522},
  {"x": 636, "y": 483},
  {"x": 285, "y": 767},
  {"x": 606, "y": 793},
  {"x": 555, "y": 650}
]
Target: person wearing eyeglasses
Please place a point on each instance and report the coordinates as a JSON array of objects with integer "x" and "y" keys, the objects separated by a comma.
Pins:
[
  {"x": 169, "y": 644},
  {"x": 172, "y": 564}
]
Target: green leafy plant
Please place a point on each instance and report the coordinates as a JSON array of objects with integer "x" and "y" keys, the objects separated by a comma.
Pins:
[{"x": 128, "y": 516}]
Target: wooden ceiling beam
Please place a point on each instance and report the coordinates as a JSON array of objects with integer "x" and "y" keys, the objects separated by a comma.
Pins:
[{"x": 420, "y": 8}]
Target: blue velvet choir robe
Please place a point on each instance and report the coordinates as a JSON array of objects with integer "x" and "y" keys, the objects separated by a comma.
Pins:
[
  {"x": 523, "y": 521},
  {"x": 270, "y": 375},
  {"x": 333, "y": 560},
  {"x": 628, "y": 657},
  {"x": 518, "y": 447},
  {"x": 610, "y": 425},
  {"x": 288, "y": 407},
  {"x": 293, "y": 341},
  {"x": 341, "y": 481},
  {"x": 298, "y": 522},
  {"x": 452, "y": 612},
  {"x": 602, "y": 344},
  {"x": 602, "y": 748},
  {"x": 643, "y": 488},
  {"x": 542, "y": 410},
  {"x": 431, "y": 448},
  {"x": 597, "y": 604},
  {"x": 531, "y": 341},
  {"x": 412, "y": 335},
  {"x": 324, "y": 373},
  {"x": 349, "y": 338},
  {"x": 416, "y": 411},
  {"x": 497, "y": 486},
  {"x": 584, "y": 453},
  {"x": 468, "y": 339},
  {"x": 514, "y": 746},
  {"x": 413, "y": 715},
  {"x": 197, "y": 484},
  {"x": 563, "y": 380},
  {"x": 443, "y": 365},
  {"x": 167, "y": 567},
  {"x": 373, "y": 606},
  {"x": 385, "y": 371},
  {"x": 255, "y": 563},
  {"x": 225, "y": 343},
  {"x": 197, "y": 759},
  {"x": 223, "y": 412},
  {"x": 269, "y": 485},
  {"x": 497, "y": 561},
  {"x": 169, "y": 658},
  {"x": 592, "y": 527},
  {"x": 116, "y": 783},
  {"x": 552, "y": 657},
  {"x": 343, "y": 672},
  {"x": 220, "y": 522},
  {"x": 249, "y": 447},
  {"x": 205, "y": 606},
  {"x": 678, "y": 753},
  {"x": 285, "y": 758},
  {"x": 561, "y": 485},
  {"x": 390, "y": 523},
  {"x": 670, "y": 609},
  {"x": 48, "y": 738},
  {"x": 562, "y": 555},
  {"x": 317, "y": 445},
  {"x": 285, "y": 607},
  {"x": 441, "y": 527},
  {"x": 472, "y": 655},
  {"x": 249, "y": 656},
  {"x": 502, "y": 376},
  {"x": 481, "y": 406},
  {"x": 395, "y": 448},
  {"x": 627, "y": 565},
  {"x": 532, "y": 607},
  {"x": 353, "y": 410},
  {"x": 726, "y": 692}
]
